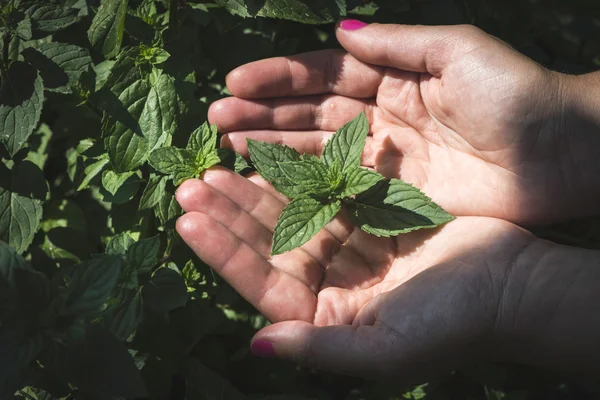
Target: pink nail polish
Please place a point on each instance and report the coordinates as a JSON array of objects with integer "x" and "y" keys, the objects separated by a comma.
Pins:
[
  {"x": 262, "y": 348},
  {"x": 352, "y": 24}
]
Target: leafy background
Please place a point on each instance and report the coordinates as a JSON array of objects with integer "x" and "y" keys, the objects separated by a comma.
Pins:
[{"x": 99, "y": 297}]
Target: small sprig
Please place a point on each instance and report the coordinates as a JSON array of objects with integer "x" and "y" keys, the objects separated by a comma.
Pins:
[{"x": 319, "y": 187}]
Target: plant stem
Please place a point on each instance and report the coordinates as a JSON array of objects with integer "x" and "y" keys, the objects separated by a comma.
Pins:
[{"x": 5, "y": 61}]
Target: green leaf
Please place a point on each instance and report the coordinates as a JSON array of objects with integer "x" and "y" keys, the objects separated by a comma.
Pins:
[
  {"x": 173, "y": 161},
  {"x": 20, "y": 218},
  {"x": 358, "y": 179},
  {"x": 9, "y": 261},
  {"x": 266, "y": 158},
  {"x": 124, "y": 191},
  {"x": 203, "y": 140},
  {"x": 165, "y": 291},
  {"x": 347, "y": 144},
  {"x": 393, "y": 207},
  {"x": 49, "y": 16},
  {"x": 154, "y": 191},
  {"x": 144, "y": 253},
  {"x": 119, "y": 244},
  {"x": 106, "y": 31},
  {"x": 102, "y": 71},
  {"x": 112, "y": 181},
  {"x": 23, "y": 29},
  {"x": 21, "y": 101},
  {"x": 167, "y": 208},
  {"x": 203, "y": 383},
  {"x": 158, "y": 119},
  {"x": 123, "y": 319},
  {"x": 90, "y": 285},
  {"x": 232, "y": 160},
  {"x": 299, "y": 221},
  {"x": 91, "y": 171},
  {"x": 305, "y": 11},
  {"x": 309, "y": 174},
  {"x": 100, "y": 364},
  {"x": 140, "y": 120},
  {"x": 61, "y": 65}
]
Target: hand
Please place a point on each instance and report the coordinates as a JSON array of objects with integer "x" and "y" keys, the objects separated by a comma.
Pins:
[
  {"x": 458, "y": 113},
  {"x": 347, "y": 301}
]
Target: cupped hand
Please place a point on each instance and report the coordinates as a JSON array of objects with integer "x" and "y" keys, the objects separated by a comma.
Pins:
[
  {"x": 452, "y": 110},
  {"x": 347, "y": 301}
]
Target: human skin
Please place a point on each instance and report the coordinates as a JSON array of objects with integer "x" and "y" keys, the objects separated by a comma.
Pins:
[
  {"x": 406, "y": 308},
  {"x": 476, "y": 125},
  {"x": 491, "y": 136}
]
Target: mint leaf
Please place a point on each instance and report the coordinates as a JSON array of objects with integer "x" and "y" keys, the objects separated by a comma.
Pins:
[
  {"x": 21, "y": 101},
  {"x": 144, "y": 253},
  {"x": 203, "y": 140},
  {"x": 309, "y": 174},
  {"x": 20, "y": 218},
  {"x": 123, "y": 190},
  {"x": 91, "y": 283},
  {"x": 308, "y": 12},
  {"x": 91, "y": 171},
  {"x": 154, "y": 191},
  {"x": 266, "y": 158},
  {"x": 299, "y": 221},
  {"x": 165, "y": 291},
  {"x": 112, "y": 180},
  {"x": 158, "y": 119},
  {"x": 232, "y": 160},
  {"x": 392, "y": 207},
  {"x": 119, "y": 244},
  {"x": 108, "y": 25},
  {"x": 9, "y": 260},
  {"x": 347, "y": 143},
  {"x": 102, "y": 71},
  {"x": 60, "y": 64},
  {"x": 23, "y": 29},
  {"x": 173, "y": 161},
  {"x": 123, "y": 318},
  {"x": 49, "y": 16},
  {"x": 358, "y": 179},
  {"x": 143, "y": 117}
]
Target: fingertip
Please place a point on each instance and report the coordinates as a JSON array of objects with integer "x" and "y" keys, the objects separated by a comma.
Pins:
[
  {"x": 187, "y": 225},
  {"x": 217, "y": 113},
  {"x": 235, "y": 80},
  {"x": 186, "y": 191},
  {"x": 215, "y": 174},
  {"x": 226, "y": 142}
]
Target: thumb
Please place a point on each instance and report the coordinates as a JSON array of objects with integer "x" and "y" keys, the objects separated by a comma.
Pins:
[
  {"x": 414, "y": 48},
  {"x": 363, "y": 351}
]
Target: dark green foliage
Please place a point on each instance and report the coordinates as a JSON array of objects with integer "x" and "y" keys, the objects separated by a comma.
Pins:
[{"x": 99, "y": 297}]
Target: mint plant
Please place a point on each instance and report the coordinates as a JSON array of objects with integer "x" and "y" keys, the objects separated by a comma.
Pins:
[
  {"x": 102, "y": 104},
  {"x": 320, "y": 187}
]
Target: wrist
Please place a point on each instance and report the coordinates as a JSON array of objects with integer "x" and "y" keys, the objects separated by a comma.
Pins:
[
  {"x": 549, "y": 314},
  {"x": 576, "y": 123}
]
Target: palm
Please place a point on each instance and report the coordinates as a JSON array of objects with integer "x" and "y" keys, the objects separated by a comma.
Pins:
[
  {"x": 323, "y": 282},
  {"x": 471, "y": 138}
]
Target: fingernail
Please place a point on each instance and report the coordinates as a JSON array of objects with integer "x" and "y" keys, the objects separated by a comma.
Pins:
[
  {"x": 262, "y": 348},
  {"x": 352, "y": 24}
]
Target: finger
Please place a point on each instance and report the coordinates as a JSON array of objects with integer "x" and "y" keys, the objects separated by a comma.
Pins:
[
  {"x": 196, "y": 196},
  {"x": 321, "y": 112},
  {"x": 311, "y": 142},
  {"x": 276, "y": 294},
  {"x": 325, "y": 71},
  {"x": 252, "y": 199},
  {"x": 411, "y": 48},
  {"x": 257, "y": 201},
  {"x": 363, "y": 351}
]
